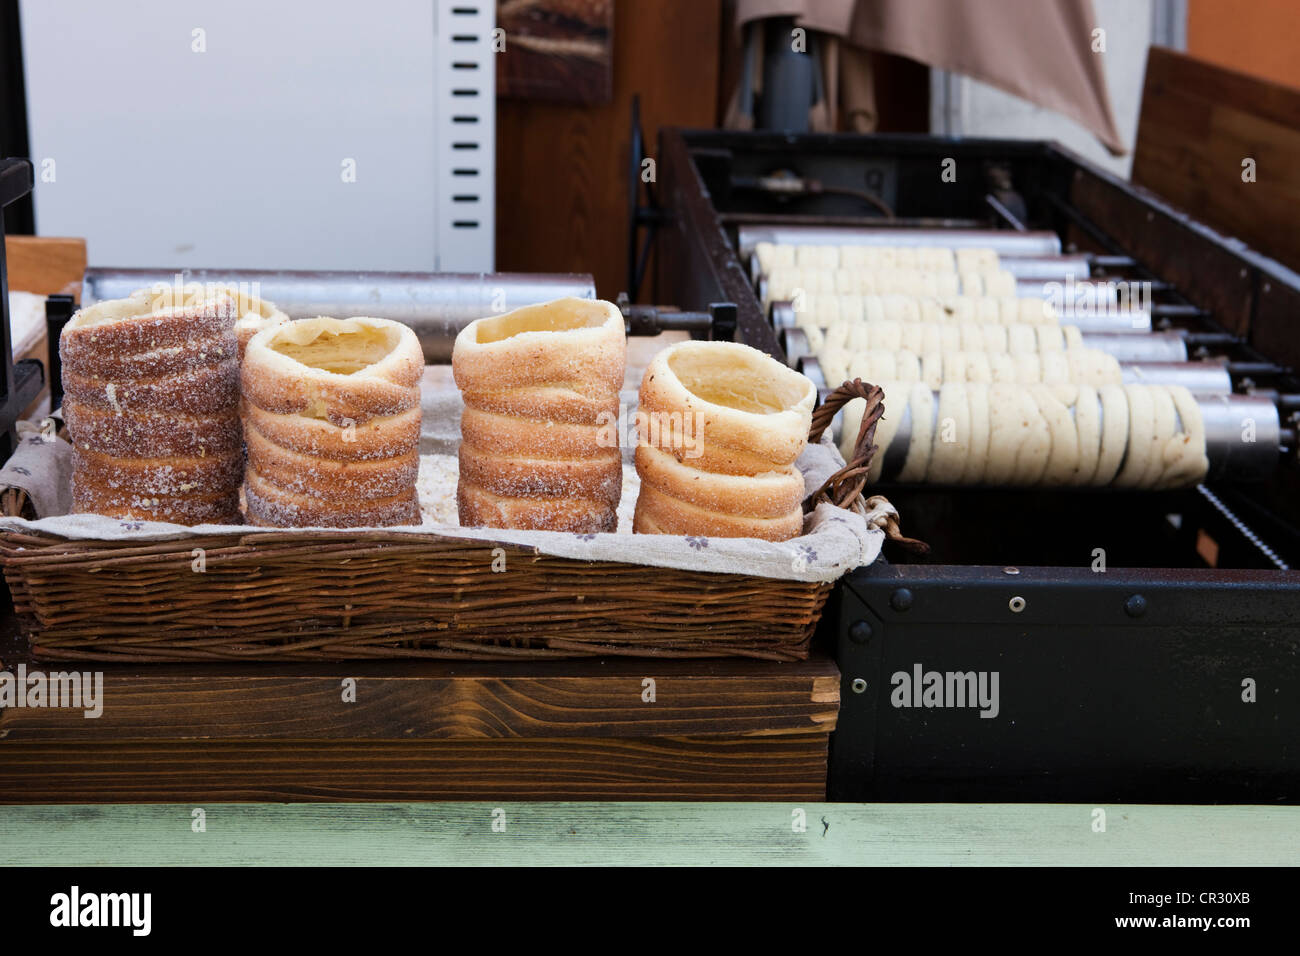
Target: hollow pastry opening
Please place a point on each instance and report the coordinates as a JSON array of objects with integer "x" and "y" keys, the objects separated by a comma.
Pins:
[
  {"x": 342, "y": 347},
  {"x": 138, "y": 305},
  {"x": 162, "y": 296},
  {"x": 563, "y": 315},
  {"x": 743, "y": 379}
]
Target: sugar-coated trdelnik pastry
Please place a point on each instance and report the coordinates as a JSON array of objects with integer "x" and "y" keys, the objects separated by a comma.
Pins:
[
  {"x": 151, "y": 396},
  {"x": 541, "y": 386},
  {"x": 719, "y": 426},
  {"x": 252, "y": 314},
  {"x": 332, "y": 423}
]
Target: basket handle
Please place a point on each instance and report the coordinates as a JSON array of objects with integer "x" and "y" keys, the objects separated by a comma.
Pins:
[{"x": 844, "y": 488}]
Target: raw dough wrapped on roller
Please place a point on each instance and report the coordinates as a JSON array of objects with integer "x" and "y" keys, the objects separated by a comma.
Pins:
[
  {"x": 151, "y": 397},
  {"x": 332, "y": 423},
  {"x": 719, "y": 427},
  {"x": 1132, "y": 436},
  {"x": 539, "y": 446}
]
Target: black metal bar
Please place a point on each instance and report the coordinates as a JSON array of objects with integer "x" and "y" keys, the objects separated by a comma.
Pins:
[
  {"x": 20, "y": 219},
  {"x": 875, "y": 222},
  {"x": 1256, "y": 369},
  {"x": 651, "y": 320},
  {"x": 1005, "y": 214},
  {"x": 1097, "y": 674},
  {"x": 1178, "y": 310},
  {"x": 58, "y": 309},
  {"x": 22, "y": 381},
  {"x": 1119, "y": 262},
  {"x": 1211, "y": 340}
]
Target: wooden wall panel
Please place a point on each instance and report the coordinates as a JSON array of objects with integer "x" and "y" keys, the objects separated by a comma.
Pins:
[
  {"x": 561, "y": 180},
  {"x": 1199, "y": 122}
]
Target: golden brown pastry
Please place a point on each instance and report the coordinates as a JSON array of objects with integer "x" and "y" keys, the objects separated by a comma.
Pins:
[
  {"x": 541, "y": 387},
  {"x": 151, "y": 402},
  {"x": 719, "y": 426},
  {"x": 332, "y": 423}
]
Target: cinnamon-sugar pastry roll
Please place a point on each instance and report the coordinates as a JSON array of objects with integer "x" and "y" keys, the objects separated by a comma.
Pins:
[
  {"x": 332, "y": 423},
  {"x": 719, "y": 426},
  {"x": 150, "y": 399},
  {"x": 538, "y": 449}
]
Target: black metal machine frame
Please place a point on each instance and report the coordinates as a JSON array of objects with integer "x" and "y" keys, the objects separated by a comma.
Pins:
[
  {"x": 20, "y": 382},
  {"x": 1148, "y": 676}
]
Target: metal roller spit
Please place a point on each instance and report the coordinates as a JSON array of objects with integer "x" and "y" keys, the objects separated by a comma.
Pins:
[
  {"x": 1206, "y": 377},
  {"x": 1119, "y": 322},
  {"x": 1230, "y": 420},
  {"x": 1152, "y": 347},
  {"x": 1003, "y": 242},
  {"x": 436, "y": 305}
]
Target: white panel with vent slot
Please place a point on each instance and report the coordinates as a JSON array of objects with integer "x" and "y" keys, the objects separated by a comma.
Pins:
[
  {"x": 235, "y": 155},
  {"x": 465, "y": 113}
]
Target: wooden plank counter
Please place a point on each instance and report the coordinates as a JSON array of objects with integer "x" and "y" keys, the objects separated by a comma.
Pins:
[{"x": 552, "y": 730}]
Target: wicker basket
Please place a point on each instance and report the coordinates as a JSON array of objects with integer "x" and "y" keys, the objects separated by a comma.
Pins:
[{"x": 290, "y": 595}]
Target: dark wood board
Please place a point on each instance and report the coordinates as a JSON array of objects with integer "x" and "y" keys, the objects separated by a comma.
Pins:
[
  {"x": 460, "y": 701},
  {"x": 557, "y": 730},
  {"x": 781, "y": 767},
  {"x": 1198, "y": 123}
]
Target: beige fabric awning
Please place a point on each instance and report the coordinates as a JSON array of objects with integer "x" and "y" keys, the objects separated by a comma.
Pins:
[{"x": 1040, "y": 50}]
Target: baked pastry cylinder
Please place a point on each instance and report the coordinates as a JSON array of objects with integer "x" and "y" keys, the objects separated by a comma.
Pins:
[
  {"x": 539, "y": 440},
  {"x": 151, "y": 394},
  {"x": 252, "y": 314},
  {"x": 332, "y": 423},
  {"x": 719, "y": 426}
]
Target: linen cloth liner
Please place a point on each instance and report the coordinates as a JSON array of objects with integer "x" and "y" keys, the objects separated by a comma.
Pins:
[{"x": 834, "y": 540}]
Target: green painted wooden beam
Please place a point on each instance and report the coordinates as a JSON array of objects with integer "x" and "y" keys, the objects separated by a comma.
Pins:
[{"x": 648, "y": 833}]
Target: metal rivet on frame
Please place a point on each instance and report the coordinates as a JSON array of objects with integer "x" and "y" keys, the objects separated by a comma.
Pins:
[
  {"x": 859, "y": 685},
  {"x": 1017, "y": 604}
]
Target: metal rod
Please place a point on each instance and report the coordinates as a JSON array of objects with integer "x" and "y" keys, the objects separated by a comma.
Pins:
[
  {"x": 1153, "y": 347},
  {"x": 1005, "y": 214},
  {"x": 1061, "y": 268},
  {"x": 1004, "y": 242},
  {"x": 1254, "y": 368},
  {"x": 436, "y": 305}
]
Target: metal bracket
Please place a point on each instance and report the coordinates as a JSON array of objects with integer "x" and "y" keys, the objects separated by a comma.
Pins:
[{"x": 638, "y": 216}]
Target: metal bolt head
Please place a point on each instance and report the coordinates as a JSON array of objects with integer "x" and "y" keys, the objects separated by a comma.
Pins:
[
  {"x": 1010, "y": 570},
  {"x": 1135, "y": 606},
  {"x": 860, "y": 632},
  {"x": 859, "y": 686},
  {"x": 901, "y": 600}
]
